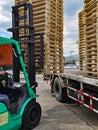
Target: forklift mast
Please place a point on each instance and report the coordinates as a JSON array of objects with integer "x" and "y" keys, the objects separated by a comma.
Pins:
[{"x": 26, "y": 37}]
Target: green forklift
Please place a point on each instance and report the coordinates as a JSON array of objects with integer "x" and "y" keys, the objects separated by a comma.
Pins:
[{"x": 18, "y": 106}]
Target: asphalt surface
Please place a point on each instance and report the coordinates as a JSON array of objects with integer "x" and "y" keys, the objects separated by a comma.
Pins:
[{"x": 66, "y": 116}]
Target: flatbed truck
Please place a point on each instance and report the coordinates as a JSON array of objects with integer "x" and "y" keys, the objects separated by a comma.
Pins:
[{"x": 74, "y": 84}]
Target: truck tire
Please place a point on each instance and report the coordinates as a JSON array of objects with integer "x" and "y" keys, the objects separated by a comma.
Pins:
[
  {"x": 59, "y": 92},
  {"x": 31, "y": 116}
]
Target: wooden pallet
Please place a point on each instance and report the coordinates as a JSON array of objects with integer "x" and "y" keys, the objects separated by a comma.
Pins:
[{"x": 22, "y": 1}]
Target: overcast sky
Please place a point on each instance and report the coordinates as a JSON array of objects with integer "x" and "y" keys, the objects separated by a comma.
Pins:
[{"x": 71, "y": 9}]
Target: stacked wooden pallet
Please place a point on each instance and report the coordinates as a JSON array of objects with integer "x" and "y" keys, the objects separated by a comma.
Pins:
[
  {"x": 48, "y": 19},
  {"x": 91, "y": 10},
  {"x": 59, "y": 36},
  {"x": 82, "y": 39},
  {"x": 41, "y": 25}
]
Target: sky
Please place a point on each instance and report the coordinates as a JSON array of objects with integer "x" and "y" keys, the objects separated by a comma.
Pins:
[{"x": 71, "y": 10}]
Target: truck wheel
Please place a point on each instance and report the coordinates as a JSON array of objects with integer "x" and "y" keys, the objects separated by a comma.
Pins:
[
  {"x": 60, "y": 93},
  {"x": 31, "y": 116}
]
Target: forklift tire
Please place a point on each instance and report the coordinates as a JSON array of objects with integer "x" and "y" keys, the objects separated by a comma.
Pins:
[
  {"x": 59, "y": 92},
  {"x": 31, "y": 116}
]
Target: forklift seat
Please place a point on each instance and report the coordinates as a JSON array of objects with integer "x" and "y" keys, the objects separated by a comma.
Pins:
[{"x": 4, "y": 99}]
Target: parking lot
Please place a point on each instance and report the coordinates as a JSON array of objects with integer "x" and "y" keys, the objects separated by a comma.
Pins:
[{"x": 66, "y": 116}]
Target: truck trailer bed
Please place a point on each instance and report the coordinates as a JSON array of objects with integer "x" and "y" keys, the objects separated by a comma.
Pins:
[{"x": 77, "y": 75}]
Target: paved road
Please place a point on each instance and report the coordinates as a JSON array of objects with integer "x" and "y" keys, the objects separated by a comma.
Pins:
[{"x": 58, "y": 116}]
